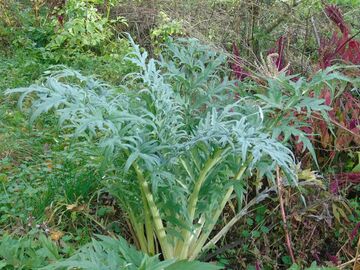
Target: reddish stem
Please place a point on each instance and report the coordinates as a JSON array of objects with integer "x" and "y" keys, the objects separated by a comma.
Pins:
[{"x": 283, "y": 214}]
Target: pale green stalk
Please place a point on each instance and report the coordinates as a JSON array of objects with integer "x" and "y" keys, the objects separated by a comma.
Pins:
[
  {"x": 196, "y": 249},
  {"x": 149, "y": 240},
  {"x": 158, "y": 224},
  {"x": 209, "y": 165},
  {"x": 148, "y": 226},
  {"x": 139, "y": 231},
  {"x": 262, "y": 196},
  {"x": 194, "y": 237}
]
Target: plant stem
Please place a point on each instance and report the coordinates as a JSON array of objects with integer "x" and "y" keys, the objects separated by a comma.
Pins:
[
  {"x": 198, "y": 184},
  {"x": 108, "y": 9},
  {"x": 262, "y": 196},
  {"x": 283, "y": 214},
  {"x": 148, "y": 225},
  {"x": 319, "y": 117},
  {"x": 204, "y": 236},
  {"x": 193, "y": 199},
  {"x": 356, "y": 255},
  {"x": 316, "y": 32},
  {"x": 149, "y": 229},
  {"x": 196, "y": 249},
  {"x": 158, "y": 224},
  {"x": 198, "y": 231},
  {"x": 139, "y": 231}
]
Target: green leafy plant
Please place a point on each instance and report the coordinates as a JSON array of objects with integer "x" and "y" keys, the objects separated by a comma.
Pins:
[
  {"x": 113, "y": 254},
  {"x": 165, "y": 30},
  {"x": 313, "y": 266},
  {"x": 289, "y": 100},
  {"x": 28, "y": 252},
  {"x": 108, "y": 5},
  {"x": 181, "y": 144},
  {"x": 84, "y": 28}
]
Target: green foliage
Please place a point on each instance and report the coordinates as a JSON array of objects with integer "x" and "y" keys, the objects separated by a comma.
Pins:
[
  {"x": 27, "y": 253},
  {"x": 286, "y": 103},
  {"x": 31, "y": 178},
  {"x": 39, "y": 169},
  {"x": 108, "y": 4},
  {"x": 20, "y": 69},
  {"x": 39, "y": 252},
  {"x": 55, "y": 188},
  {"x": 166, "y": 29},
  {"x": 65, "y": 184},
  {"x": 113, "y": 254},
  {"x": 84, "y": 28},
  {"x": 350, "y": 3},
  {"x": 109, "y": 65},
  {"x": 313, "y": 266},
  {"x": 173, "y": 135},
  {"x": 176, "y": 143},
  {"x": 19, "y": 28}
]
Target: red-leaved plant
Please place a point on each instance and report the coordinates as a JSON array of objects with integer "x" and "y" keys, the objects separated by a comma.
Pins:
[
  {"x": 279, "y": 60},
  {"x": 345, "y": 115},
  {"x": 237, "y": 64},
  {"x": 339, "y": 47},
  {"x": 346, "y": 108}
]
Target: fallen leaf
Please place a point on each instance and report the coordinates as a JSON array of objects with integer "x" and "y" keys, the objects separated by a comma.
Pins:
[{"x": 56, "y": 235}]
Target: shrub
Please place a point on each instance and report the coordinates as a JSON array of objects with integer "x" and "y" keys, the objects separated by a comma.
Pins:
[{"x": 81, "y": 28}]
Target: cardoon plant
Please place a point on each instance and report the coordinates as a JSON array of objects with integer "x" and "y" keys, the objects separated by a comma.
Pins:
[{"x": 181, "y": 143}]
